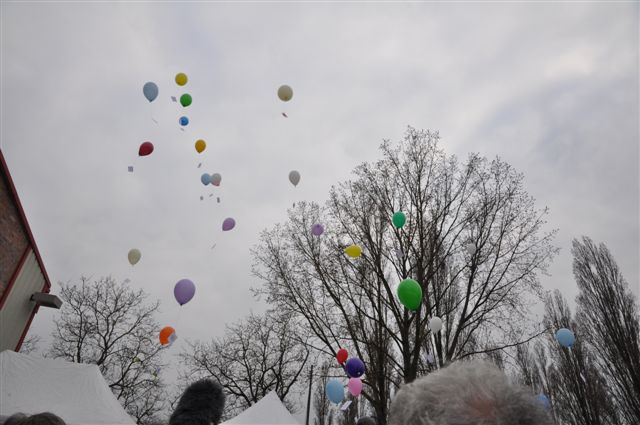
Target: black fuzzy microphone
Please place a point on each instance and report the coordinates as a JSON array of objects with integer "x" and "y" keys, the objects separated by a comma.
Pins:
[{"x": 201, "y": 404}]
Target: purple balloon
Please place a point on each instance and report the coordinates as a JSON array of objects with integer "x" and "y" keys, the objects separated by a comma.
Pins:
[
  {"x": 317, "y": 229},
  {"x": 184, "y": 291},
  {"x": 228, "y": 224},
  {"x": 355, "y": 368}
]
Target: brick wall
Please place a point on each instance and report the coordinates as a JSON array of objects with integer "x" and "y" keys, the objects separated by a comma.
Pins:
[{"x": 13, "y": 236}]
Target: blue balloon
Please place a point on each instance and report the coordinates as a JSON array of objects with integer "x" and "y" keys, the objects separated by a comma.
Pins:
[
  {"x": 335, "y": 391},
  {"x": 355, "y": 368},
  {"x": 150, "y": 91},
  {"x": 565, "y": 337},
  {"x": 205, "y": 179},
  {"x": 542, "y": 399},
  {"x": 184, "y": 121}
]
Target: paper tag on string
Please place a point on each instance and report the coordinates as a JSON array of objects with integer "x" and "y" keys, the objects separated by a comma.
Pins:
[
  {"x": 130, "y": 168},
  {"x": 174, "y": 98},
  {"x": 346, "y": 405}
]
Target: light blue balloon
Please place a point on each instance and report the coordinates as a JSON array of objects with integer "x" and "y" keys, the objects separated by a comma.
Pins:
[
  {"x": 565, "y": 337},
  {"x": 335, "y": 391},
  {"x": 542, "y": 399},
  {"x": 184, "y": 121},
  {"x": 150, "y": 91},
  {"x": 205, "y": 179}
]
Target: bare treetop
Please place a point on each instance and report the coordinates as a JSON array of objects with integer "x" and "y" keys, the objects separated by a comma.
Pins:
[{"x": 473, "y": 240}]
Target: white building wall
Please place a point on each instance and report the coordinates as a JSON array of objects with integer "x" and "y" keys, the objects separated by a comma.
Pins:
[{"x": 17, "y": 308}]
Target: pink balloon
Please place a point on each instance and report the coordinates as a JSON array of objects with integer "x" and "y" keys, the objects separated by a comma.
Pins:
[{"x": 355, "y": 386}]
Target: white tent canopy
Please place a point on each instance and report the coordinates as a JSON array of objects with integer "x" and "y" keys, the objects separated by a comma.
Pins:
[
  {"x": 76, "y": 392},
  {"x": 268, "y": 411}
]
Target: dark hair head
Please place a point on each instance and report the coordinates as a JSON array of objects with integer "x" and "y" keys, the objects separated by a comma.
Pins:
[
  {"x": 46, "y": 418},
  {"x": 201, "y": 404}
]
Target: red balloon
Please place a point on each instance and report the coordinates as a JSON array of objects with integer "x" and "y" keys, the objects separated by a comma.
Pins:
[
  {"x": 145, "y": 149},
  {"x": 342, "y": 355}
]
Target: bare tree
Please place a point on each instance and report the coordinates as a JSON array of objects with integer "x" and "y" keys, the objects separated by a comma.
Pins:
[
  {"x": 473, "y": 240},
  {"x": 256, "y": 356},
  {"x": 575, "y": 384},
  {"x": 30, "y": 344},
  {"x": 608, "y": 317},
  {"x": 112, "y": 325}
]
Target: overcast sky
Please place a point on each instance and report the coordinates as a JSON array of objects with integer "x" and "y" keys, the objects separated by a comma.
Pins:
[{"x": 551, "y": 88}]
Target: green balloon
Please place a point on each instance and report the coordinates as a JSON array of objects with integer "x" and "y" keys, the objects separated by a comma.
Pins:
[
  {"x": 399, "y": 219},
  {"x": 410, "y": 294},
  {"x": 185, "y": 99}
]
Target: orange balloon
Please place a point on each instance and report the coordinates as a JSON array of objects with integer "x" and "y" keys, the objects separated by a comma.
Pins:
[
  {"x": 200, "y": 146},
  {"x": 165, "y": 333}
]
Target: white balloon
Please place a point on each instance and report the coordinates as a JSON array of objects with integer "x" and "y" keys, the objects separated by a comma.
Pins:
[
  {"x": 435, "y": 324},
  {"x": 471, "y": 248},
  {"x": 216, "y": 178},
  {"x": 134, "y": 256},
  {"x": 285, "y": 93},
  {"x": 294, "y": 177}
]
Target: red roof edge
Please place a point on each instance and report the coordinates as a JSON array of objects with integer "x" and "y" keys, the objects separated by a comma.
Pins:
[{"x": 32, "y": 241}]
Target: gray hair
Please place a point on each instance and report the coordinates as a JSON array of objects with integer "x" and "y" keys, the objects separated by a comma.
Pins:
[{"x": 466, "y": 393}]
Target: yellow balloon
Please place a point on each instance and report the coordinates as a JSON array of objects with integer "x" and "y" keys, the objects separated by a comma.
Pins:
[
  {"x": 285, "y": 93},
  {"x": 353, "y": 251},
  {"x": 181, "y": 79},
  {"x": 200, "y": 146}
]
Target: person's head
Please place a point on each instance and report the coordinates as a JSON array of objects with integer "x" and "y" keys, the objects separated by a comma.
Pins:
[
  {"x": 466, "y": 393},
  {"x": 45, "y": 418},
  {"x": 201, "y": 404},
  {"x": 14, "y": 419}
]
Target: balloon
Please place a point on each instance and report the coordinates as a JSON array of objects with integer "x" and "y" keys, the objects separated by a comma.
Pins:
[
  {"x": 285, "y": 93},
  {"x": 542, "y": 399},
  {"x": 145, "y": 149},
  {"x": 335, "y": 391},
  {"x": 410, "y": 294},
  {"x": 200, "y": 145},
  {"x": 471, "y": 248},
  {"x": 216, "y": 179},
  {"x": 165, "y": 333},
  {"x": 228, "y": 224},
  {"x": 184, "y": 291},
  {"x": 134, "y": 256},
  {"x": 342, "y": 355},
  {"x": 294, "y": 177},
  {"x": 205, "y": 179},
  {"x": 150, "y": 91},
  {"x": 181, "y": 79},
  {"x": 183, "y": 121},
  {"x": 353, "y": 251},
  {"x": 185, "y": 100},
  {"x": 399, "y": 219},
  {"x": 355, "y": 367},
  {"x": 355, "y": 386},
  {"x": 435, "y": 324},
  {"x": 317, "y": 229},
  {"x": 565, "y": 337}
]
